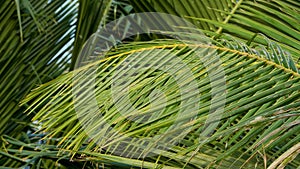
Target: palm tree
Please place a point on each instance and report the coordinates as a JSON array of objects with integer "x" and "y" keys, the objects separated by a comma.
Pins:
[{"x": 239, "y": 107}]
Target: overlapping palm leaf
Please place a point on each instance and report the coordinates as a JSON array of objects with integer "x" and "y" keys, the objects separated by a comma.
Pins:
[
  {"x": 258, "y": 128},
  {"x": 276, "y": 19},
  {"x": 36, "y": 39},
  {"x": 261, "y": 96}
]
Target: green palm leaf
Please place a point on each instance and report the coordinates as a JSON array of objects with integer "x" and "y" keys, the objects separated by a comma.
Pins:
[
  {"x": 255, "y": 48},
  {"x": 261, "y": 95},
  {"x": 277, "y": 20},
  {"x": 36, "y": 39},
  {"x": 42, "y": 55}
]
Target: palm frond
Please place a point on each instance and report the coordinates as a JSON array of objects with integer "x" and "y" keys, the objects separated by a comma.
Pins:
[
  {"x": 36, "y": 39},
  {"x": 41, "y": 57},
  {"x": 127, "y": 109},
  {"x": 277, "y": 20},
  {"x": 260, "y": 95}
]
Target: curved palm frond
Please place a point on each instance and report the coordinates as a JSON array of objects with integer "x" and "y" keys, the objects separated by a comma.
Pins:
[
  {"x": 37, "y": 44},
  {"x": 261, "y": 96},
  {"x": 244, "y": 19},
  {"x": 252, "y": 39}
]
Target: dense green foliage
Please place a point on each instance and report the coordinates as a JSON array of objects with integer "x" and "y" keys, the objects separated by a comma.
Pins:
[{"x": 257, "y": 43}]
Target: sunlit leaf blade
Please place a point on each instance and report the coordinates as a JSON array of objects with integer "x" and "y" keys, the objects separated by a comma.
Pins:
[
  {"x": 257, "y": 42},
  {"x": 260, "y": 94},
  {"x": 276, "y": 19}
]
